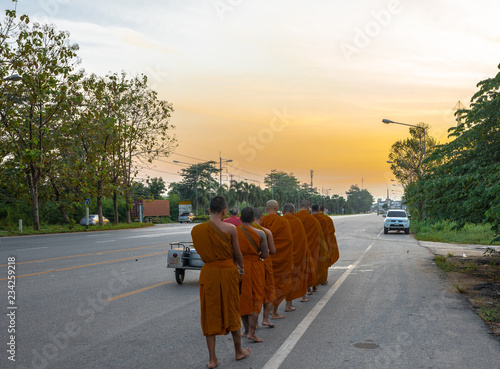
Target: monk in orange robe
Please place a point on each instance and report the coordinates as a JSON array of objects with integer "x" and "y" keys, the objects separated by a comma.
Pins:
[
  {"x": 269, "y": 293},
  {"x": 334, "y": 251},
  {"x": 301, "y": 257},
  {"x": 324, "y": 258},
  {"x": 283, "y": 259},
  {"x": 253, "y": 246},
  {"x": 316, "y": 243},
  {"x": 217, "y": 244}
]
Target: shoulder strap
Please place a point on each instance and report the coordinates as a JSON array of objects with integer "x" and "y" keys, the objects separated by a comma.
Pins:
[
  {"x": 221, "y": 234},
  {"x": 250, "y": 239}
]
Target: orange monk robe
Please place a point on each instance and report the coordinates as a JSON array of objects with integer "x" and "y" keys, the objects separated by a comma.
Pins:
[
  {"x": 269, "y": 293},
  {"x": 219, "y": 281},
  {"x": 327, "y": 252},
  {"x": 252, "y": 287},
  {"x": 334, "y": 250},
  {"x": 300, "y": 258},
  {"x": 317, "y": 246},
  {"x": 283, "y": 259},
  {"x": 323, "y": 258}
]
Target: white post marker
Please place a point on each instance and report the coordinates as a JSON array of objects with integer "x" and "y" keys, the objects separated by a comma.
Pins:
[
  {"x": 20, "y": 226},
  {"x": 87, "y": 203},
  {"x": 141, "y": 209}
]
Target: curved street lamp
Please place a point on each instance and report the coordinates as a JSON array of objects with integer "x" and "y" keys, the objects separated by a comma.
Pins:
[{"x": 388, "y": 121}]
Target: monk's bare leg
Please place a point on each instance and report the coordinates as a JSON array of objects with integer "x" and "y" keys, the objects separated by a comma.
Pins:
[
  {"x": 289, "y": 306},
  {"x": 246, "y": 325},
  {"x": 239, "y": 353},
  {"x": 275, "y": 314},
  {"x": 268, "y": 306},
  {"x": 309, "y": 291},
  {"x": 304, "y": 299},
  {"x": 252, "y": 320},
  {"x": 212, "y": 358}
]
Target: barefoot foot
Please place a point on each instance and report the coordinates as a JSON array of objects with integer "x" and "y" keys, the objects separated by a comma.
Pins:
[
  {"x": 243, "y": 353},
  {"x": 254, "y": 338},
  {"x": 213, "y": 364},
  {"x": 268, "y": 324},
  {"x": 277, "y": 316}
]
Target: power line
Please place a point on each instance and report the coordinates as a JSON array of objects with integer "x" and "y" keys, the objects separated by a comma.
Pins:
[
  {"x": 190, "y": 157},
  {"x": 258, "y": 175}
]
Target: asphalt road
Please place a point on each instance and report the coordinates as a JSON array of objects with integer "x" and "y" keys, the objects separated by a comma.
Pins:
[{"x": 107, "y": 300}]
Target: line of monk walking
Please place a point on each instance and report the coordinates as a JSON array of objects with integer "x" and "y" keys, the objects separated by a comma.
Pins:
[{"x": 253, "y": 267}]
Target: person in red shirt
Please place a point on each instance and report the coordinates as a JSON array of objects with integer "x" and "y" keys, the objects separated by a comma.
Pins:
[{"x": 233, "y": 219}]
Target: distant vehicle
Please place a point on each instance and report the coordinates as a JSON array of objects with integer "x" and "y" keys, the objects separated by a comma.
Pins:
[
  {"x": 186, "y": 217},
  {"x": 93, "y": 220},
  {"x": 396, "y": 220}
]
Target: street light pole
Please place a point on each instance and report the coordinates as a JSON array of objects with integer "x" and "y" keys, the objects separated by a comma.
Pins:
[{"x": 387, "y": 121}]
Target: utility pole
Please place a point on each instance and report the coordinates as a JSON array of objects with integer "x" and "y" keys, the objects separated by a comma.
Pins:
[
  {"x": 312, "y": 171},
  {"x": 220, "y": 167},
  {"x": 459, "y": 106}
]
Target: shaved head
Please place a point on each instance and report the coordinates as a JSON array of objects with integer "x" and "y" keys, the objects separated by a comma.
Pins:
[
  {"x": 288, "y": 208},
  {"x": 272, "y": 207},
  {"x": 258, "y": 213},
  {"x": 315, "y": 208},
  {"x": 304, "y": 205}
]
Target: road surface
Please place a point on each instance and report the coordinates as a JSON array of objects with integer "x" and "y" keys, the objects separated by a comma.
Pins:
[{"x": 106, "y": 300}]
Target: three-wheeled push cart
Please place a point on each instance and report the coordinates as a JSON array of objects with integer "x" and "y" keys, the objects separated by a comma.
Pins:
[{"x": 182, "y": 256}]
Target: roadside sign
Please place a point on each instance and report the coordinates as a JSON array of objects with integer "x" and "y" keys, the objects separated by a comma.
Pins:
[{"x": 87, "y": 202}]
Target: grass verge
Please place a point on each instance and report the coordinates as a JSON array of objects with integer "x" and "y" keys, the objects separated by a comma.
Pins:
[
  {"x": 445, "y": 231},
  {"x": 50, "y": 229}
]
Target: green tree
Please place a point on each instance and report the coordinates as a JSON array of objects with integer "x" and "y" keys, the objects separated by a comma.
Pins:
[
  {"x": 410, "y": 165},
  {"x": 144, "y": 126},
  {"x": 197, "y": 184},
  {"x": 156, "y": 187},
  {"x": 358, "y": 200},
  {"x": 408, "y": 155},
  {"x": 464, "y": 183},
  {"x": 31, "y": 110}
]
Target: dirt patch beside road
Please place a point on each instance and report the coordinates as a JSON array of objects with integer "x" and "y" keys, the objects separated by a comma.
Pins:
[
  {"x": 478, "y": 279},
  {"x": 474, "y": 271}
]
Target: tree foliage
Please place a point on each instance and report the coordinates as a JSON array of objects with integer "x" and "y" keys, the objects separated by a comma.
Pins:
[
  {"x": 65, "y": 136},
  {"x": 463, "y": 183},
  {"x": 359, "y": 200}
]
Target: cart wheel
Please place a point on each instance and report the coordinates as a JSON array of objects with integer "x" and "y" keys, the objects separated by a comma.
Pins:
[{"x": 179, "y": 275}]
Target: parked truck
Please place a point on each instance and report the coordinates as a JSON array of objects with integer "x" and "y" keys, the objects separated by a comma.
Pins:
[{"x": 151, "y": 209}]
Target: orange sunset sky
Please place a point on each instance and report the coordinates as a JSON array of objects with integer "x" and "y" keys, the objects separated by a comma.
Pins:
[{"x": 291, "y": 85}]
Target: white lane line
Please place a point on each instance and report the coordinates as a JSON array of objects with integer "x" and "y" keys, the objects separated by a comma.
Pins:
[
  {"x": 105, "y": 241},
  {"x": 287, "y": 346},
  {"x": 98, "y": 234},
  {"x": 159, "y": 234},
  {"x": 33, "y": 248}
]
